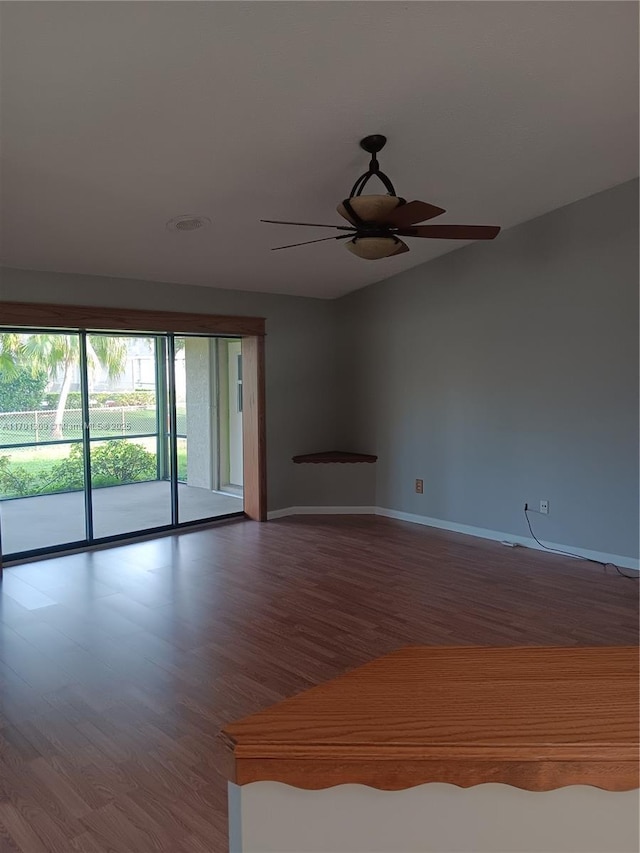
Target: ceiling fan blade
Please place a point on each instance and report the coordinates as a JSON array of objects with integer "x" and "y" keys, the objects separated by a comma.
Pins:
[
  {"x": 411, "y": 212},
  {"x": 309, "y": 224},
  {"x": 306, "y": 242},
  {"x": 453, "y": 232}
]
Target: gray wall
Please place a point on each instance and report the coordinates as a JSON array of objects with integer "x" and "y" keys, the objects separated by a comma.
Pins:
[
  {"x": 300, "y": 359},
  {"x": 507, "y": 372}
]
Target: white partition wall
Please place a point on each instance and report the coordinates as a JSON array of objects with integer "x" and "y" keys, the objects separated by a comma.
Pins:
[{"x": 268, "y": 817}]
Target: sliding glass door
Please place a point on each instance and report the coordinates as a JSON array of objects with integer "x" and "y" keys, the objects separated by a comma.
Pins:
[
  {"x": 130, "y": 471},
  {"x": 204, "y": 401},
  {"x": 109, "y": 435}
]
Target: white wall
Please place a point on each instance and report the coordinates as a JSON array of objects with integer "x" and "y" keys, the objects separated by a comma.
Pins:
[
  {"x": 268, "y": 817},
  {"x": 200, "y": 413}
]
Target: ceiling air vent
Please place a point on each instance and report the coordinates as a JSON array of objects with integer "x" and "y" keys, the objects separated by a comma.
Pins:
[{"x": 188, "y": 222}]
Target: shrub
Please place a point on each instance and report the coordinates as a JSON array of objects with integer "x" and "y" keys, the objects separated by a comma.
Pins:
[
  {"x": 16, "y": 480},
  {"x": 23, "y": 391},
  {"x": 68, "y": 476},
  {"x": 122, "y": 462},
  {"x": 112, "y": 464},
  {"x": 101, "y": 398}
]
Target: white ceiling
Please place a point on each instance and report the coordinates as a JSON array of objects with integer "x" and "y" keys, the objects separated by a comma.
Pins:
[{"x": 117, "y": 117}]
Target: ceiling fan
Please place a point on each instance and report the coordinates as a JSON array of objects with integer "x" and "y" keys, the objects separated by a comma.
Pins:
[{"x": 378, "y": 221}]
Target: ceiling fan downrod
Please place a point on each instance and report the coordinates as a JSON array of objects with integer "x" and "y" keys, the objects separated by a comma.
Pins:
[{"x": 372, "y": 144}]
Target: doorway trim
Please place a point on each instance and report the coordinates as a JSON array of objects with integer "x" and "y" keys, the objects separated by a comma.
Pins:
[
  {"x": 250, "y": 329},
  {"x": 82, "y": 317}
]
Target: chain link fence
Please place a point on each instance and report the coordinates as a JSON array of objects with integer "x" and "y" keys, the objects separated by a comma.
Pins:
[{"x": 40, "y": 426}]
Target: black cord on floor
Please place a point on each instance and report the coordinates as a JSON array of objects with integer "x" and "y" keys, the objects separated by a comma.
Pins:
[{"x": 577, "y": 556}]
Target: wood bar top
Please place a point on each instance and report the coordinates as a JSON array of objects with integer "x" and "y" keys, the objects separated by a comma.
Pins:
[{"x": 536, "y": 718}]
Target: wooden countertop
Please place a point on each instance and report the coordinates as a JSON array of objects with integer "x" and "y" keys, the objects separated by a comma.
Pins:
[{"x": 535, "y": 718}]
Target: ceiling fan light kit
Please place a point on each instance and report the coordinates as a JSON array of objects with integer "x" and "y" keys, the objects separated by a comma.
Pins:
[
  {"x": 368, "y": 208},
  {"x": 376, "y": 248},
  {"x": 378, "y": 221}
]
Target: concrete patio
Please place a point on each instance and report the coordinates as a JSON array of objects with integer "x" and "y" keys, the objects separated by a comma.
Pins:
[{"x": 49, "y": 520}]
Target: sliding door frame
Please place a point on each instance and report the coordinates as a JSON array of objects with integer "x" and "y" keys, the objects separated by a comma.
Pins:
[
  {"x": 86, "y": 438},
  {"x": 173, "y": 428},
  {"x": 86, "y": 318}
]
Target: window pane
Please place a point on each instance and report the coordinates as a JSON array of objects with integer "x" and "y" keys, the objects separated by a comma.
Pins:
[
  {"x": 41, "y": 481},
  {"x": 208, "y": 383},
  {"x": 122, "y": 385},
  {"x": 127, "y": 493},
  {"x": 129, "y": 476},
  {"x": 41, "y": 496}
]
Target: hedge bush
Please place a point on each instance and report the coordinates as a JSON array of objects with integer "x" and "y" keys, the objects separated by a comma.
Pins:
[
  {"x": 114, "y": 463},
  {"x": 23, "y": 391},
  {"x": 115, "y": 398}
]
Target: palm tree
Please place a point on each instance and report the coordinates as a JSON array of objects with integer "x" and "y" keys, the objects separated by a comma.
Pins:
[
  {"x": 55, "y": 353},
  {"x": 11, "y": 351}
]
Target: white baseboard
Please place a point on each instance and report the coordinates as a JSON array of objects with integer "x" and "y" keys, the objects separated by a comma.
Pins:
[
  {"x": 454, "y": 527},
  {"x": 498, "y": 536}
]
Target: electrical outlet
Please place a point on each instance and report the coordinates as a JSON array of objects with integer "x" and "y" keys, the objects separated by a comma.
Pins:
[
  {"x": 544, "y": 507},
  {"x": 419, "y": 487}
]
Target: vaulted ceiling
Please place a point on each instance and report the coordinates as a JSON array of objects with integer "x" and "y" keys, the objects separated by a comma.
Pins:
[{"x": 117, "y": 117}]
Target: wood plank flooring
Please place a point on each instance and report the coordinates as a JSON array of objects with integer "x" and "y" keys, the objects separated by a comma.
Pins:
[{"x": 119, "y": 667}]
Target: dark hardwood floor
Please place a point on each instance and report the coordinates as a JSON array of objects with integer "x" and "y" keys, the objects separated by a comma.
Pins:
[{"x": 118, "y": 668}]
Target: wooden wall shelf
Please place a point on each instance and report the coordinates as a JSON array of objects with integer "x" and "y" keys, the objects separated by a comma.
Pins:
[
  {"x": 334, "y": 456},
  {"x": 532, "y": 718}
]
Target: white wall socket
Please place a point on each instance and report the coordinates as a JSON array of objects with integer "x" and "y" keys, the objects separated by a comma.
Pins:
[{"x": 544, "y": 507}]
